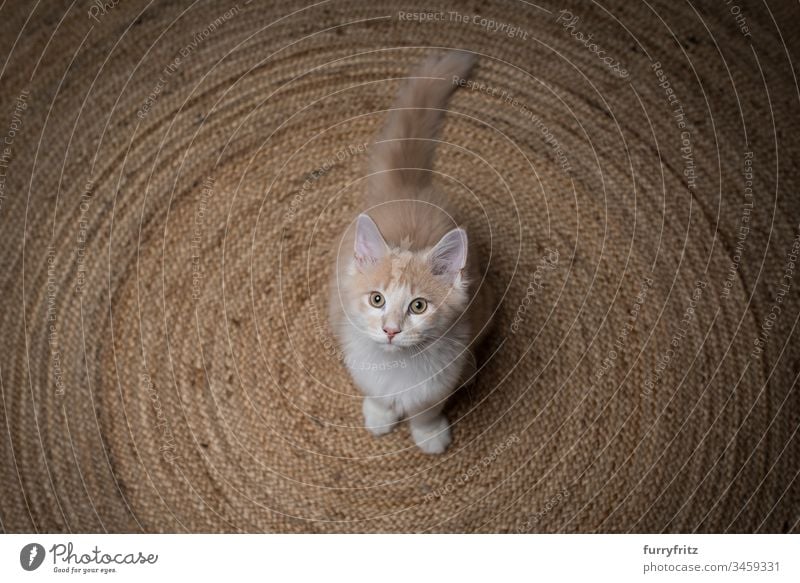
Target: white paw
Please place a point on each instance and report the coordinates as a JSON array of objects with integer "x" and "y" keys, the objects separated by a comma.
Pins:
[
  {"x": 378, "y": 419},
  {"x": 432, "y": 437}
]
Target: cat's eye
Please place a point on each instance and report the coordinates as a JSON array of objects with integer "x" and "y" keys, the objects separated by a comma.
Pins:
[
  {"x": 418, "y": 306},
  {"x": 376, "y": 300}
]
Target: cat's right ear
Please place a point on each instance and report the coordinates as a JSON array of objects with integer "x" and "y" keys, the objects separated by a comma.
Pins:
[{"x": 369, "y": 246}]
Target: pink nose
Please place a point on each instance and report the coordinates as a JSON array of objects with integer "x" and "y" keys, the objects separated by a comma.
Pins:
[{"x": 390, "y": 332}]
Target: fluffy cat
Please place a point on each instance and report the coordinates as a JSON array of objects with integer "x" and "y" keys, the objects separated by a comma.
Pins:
[{"x": 406, "y": 304}]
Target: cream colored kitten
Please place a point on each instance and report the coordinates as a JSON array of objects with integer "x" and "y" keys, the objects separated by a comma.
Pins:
[{"x": 405, "y": 303}]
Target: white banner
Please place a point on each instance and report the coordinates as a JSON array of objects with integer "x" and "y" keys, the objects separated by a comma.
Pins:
[{"x": 400, "y": 558}]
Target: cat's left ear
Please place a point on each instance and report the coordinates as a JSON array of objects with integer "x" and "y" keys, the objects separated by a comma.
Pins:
[{"x": 449, "y": 256}]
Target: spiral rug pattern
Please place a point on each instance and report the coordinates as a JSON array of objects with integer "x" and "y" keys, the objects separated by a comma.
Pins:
[{"x": 174, "y": 175}]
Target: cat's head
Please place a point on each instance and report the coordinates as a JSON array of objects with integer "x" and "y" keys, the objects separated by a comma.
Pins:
[{"x": 399, "y": 297}]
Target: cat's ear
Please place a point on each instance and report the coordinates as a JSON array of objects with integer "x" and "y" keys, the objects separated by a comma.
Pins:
[
  {"x": 369, "y": 246},
  {"x": 449, "y": 256}
]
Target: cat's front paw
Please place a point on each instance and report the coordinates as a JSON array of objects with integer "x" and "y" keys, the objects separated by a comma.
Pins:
[
  {"x": 432, "y": 437},
  {"x": 378, "y": 419}
]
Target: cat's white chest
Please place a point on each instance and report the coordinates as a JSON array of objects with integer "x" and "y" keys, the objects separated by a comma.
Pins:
[{"x": 405, "y": 380}]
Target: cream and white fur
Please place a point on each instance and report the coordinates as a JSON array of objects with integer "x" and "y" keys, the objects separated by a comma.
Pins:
[{"x": 407, "y": 246}]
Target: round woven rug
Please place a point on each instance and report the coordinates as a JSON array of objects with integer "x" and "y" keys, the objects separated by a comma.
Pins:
[{"x": 174, "y": 175}]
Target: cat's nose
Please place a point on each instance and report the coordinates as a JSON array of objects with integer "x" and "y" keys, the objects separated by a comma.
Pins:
[{"x": 391, "y": 331}]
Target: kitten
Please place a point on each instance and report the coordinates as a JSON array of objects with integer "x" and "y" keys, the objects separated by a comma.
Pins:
[{"x": 406, "y": 304}]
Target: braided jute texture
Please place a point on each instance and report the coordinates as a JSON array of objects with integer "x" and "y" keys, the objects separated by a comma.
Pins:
[{"x": 174, "y": 176}]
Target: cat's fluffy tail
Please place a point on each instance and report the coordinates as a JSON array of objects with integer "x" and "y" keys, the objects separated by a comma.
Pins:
[{"x": 403, "y": 154}]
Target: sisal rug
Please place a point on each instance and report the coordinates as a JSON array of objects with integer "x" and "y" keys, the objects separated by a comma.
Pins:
[{"x": 173, "y": 176}]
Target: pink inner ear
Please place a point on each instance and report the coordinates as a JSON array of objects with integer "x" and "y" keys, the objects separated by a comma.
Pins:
[
  {"x": 369, "y": 245},
  {"x": 449, "y": 256}
]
